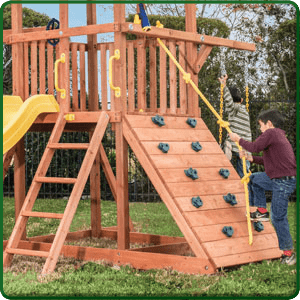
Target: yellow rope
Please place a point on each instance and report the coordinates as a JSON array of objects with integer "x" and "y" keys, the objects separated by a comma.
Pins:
[
  {"x": 222, "y": 123},
  {"x": 221, "y": 112}
]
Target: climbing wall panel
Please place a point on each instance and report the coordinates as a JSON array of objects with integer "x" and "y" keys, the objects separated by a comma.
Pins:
[{"x": 206, "y": 222}]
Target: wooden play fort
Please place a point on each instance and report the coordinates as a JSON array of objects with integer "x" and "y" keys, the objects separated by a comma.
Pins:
[{"x": 184, "y": 162}]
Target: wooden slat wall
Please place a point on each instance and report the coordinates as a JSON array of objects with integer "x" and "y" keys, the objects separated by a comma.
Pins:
[{"x": 144, "y": 57}]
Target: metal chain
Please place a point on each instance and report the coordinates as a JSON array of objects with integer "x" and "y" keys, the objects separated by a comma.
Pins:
[{"x": 221, "y": 113}]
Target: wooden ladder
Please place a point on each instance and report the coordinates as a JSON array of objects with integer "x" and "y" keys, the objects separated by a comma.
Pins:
[{"x": 39, "y": 178}]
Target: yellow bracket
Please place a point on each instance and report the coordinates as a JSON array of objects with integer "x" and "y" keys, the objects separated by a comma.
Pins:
[
  {"x": 70, "y": 117},
  {"x": 61, "y": 60},
  {"x": 115, "y": 88}
]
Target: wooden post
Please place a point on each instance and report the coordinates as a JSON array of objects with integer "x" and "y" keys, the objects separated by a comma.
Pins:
[
  {"x": 121, "y": 144},
  {"x": 18, "y": 90},
  {"x": 95, "y": 187},
  {"x": 191, "y": 49},
  {"x": 64, "y": 68}
]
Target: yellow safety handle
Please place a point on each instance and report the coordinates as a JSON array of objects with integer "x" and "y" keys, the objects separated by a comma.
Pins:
[
  {"x": 62, "y": 59},
  {"x": 115, "y": 88}
]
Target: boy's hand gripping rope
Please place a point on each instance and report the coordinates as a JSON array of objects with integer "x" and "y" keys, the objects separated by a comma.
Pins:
[{"x": 221, "y": 122}]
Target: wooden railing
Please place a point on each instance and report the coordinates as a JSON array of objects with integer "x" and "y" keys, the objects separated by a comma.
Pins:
[{"x": 153, "y": 82}]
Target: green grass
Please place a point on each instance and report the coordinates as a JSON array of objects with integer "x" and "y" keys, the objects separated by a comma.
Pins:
[{"x": 74, "y": 278}]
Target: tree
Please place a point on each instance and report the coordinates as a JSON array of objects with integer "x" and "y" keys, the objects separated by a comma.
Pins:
[{"x": 30, "y": 19}]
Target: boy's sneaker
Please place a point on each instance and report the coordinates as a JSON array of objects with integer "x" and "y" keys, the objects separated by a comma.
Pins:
[
  {"x": 257, "y": 216},
  {"x": 289, "y": 260}
]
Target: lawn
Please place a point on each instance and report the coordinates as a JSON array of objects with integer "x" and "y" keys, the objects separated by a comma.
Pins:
[{"x": 74, "y": 278}]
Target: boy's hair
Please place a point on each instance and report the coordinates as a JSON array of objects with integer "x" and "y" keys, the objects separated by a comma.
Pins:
[
  {"x": 235, "y": 94},
  {"x": 272, "y": 115}
]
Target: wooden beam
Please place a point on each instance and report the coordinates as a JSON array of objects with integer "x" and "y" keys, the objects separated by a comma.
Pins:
[
  {"x": 121, "y": 143},
  {"x": 178, "y": 35},
  {"x": 203, "y": 54},
  {"x": 138, "y": 260},
  {"x": 62, "y": 33}
]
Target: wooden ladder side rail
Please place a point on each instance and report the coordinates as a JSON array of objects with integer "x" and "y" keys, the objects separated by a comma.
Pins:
[
  {"x": 164, "y": 192},
  {"x": 111, "y": 179},
  {"x": 32, "y": 194},
  {"x": 7, "y": 158},
  {"x": 76, "y": 193}
]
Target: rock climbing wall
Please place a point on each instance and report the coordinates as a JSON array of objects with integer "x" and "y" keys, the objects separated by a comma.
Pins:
[{"x": 189, "y": 182}]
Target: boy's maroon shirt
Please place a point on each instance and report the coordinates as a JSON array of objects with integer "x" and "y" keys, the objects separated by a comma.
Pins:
[{"x": 278, "y": 155}]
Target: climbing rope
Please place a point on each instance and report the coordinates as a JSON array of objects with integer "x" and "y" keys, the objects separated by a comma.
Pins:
[{"x": 245, "y": 180}]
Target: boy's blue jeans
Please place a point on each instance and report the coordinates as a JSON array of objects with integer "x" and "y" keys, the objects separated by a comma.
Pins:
[{"x": 281, "y": 190}]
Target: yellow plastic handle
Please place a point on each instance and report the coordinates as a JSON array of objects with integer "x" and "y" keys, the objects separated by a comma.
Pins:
[
  {"x": 115, "y": 88},
  {"x": 61, "y": 60}
]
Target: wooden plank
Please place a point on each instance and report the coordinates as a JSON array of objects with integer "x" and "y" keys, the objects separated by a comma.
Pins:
[
  {"x": 182, "y": 83},
  {"x": 163, "y": 134},
  {"x": 171, "y": 34},
  {"x": 203, "y": 54},
  {"x": 173, "y": 80},
  {"x": 233, "y": 245},
  {"x": 205, "y": 175},
  {"x": 165, "y": 161},
  {"x": 74, "y": 48},
  {"x": 42, "y": 67},
  {"x": 183, "y": 148},
  {"x": 153, "y": 76},
  {"x": 225, "y": 216},
  {"x": 112, "y": 94},
  {"x": 130, "y": 72},
  {"x": 214, "y": 188},
  {"x": 209, "y": 202},
  {"x": 214, "y": 232},
  {"x": 38, "y": 214},
  {"x": 77, "y": 146},
  {"x": 33, "y": 63},
  {"x": 92, "y": 59},
  {"x": 61, "y": 180},
  {"x": 50, "y": 66},
  {"x": 82, "y": 78},
  {"x": 26, "y": 71},
  {"x": 163, "y": 191},
  {"x": 62, "y": 33},
  {"x": 141, "y": 76},
  {"x": 103, "y": 72},
  {"x": 138, "y": 260},
  {"x": 171, "y": 122},
  {"x": 162, "y": 81},
  {"x": 27, "y": 252},
  {"x": 244, "y": 258}
]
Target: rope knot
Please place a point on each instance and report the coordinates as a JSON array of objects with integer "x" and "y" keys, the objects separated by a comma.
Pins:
[
  {"x": 186, "y": 77},
  {"x": 246, "y": 178},
  {"x": 223, "y": 123}
]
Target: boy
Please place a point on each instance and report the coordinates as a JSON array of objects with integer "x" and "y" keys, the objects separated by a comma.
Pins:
[
  {"x": 279, "y": 177},
  {"x": 239, "y": 120}
]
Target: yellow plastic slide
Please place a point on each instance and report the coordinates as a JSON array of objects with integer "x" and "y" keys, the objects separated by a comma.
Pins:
[{"x": 18, "y": 116}]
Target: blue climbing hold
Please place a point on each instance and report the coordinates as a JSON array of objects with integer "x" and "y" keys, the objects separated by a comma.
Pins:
[
  {"x": 192, "y": 173},
  {"x": 164, "y": 147},
  {"x": 224, "y": 173},
  {"x": 158, "y": 120},
  {"x": 228, "y": 230},
  {"x": 196, "y": 146},
  {"x": 197, "y": 202},
  {"x": 230, "y": 198},
  {"x": 192, "y": 122},
  {"x": 258, "y": 226}
]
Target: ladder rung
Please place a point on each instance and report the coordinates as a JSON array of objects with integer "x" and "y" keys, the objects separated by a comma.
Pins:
[
  {"x": 42, "y": 214},
  {"x": 27, "y": 252},
  {"x": 56, "y": 180},
  {"x": 77, "y": 146}
]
